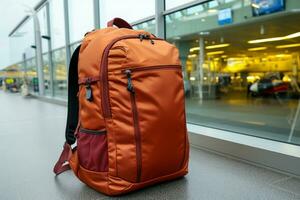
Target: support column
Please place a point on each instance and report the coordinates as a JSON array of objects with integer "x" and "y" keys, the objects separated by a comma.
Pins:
[
  {"x": 96, "y": 14},
  {"x": 25, "y": 66},
  {"x": 200, "y": 68},
  {"x": 51, "y": 66},
  {"x": 67, "y": 34},
  {"x": 38, "y": 54},
  {"x": 159, "y": 18}
]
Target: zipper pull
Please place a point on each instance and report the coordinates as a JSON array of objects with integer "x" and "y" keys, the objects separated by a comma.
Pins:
[
  {"x": 88, "y": 91},
  {"x": 152, "y": 41},
  {"x": 141, "y": 36},
  {"x": 130, "y": 87}
]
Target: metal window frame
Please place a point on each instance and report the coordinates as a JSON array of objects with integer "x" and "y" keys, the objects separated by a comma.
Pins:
[
  {"x": 96, "y": 4},
  {"x": 51, "y": 66},
  {"x": 67, "y": 33},
  {"x": 160, "y": 27}
]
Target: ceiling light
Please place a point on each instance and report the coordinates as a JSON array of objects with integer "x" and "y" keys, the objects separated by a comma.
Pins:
[
  {"x": 293, "y": 35},
  {"x": 194, "y": 49},
  {"x": 177, "y": 38},
  {"x": 212, "y": 10},
  {"x": 257, "y": 49},
  {"x": 262, "y": 30},
  {"x": 217, "y": 46},
  {"x": 224, "y": 56},
  {"x": 204, "y": 33},
  {"x": 192, "y": 56},
  {"x": 215, "y": 53},
  {"x": 282, "y": 55},
  {"x": 288, "y": 46},
  {"x": 254, "y": 5}
]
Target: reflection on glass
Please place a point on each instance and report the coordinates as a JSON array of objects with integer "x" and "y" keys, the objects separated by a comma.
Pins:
[
  {"x": 147, "y": 26},
  {"x": 60, "y": 73},
  {"x": 241, "y": 71}
]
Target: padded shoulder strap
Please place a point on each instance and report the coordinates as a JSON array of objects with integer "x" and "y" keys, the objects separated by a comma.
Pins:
[
  {"x": 72, "y": 118},
  {"x": 73, "y": 105}
]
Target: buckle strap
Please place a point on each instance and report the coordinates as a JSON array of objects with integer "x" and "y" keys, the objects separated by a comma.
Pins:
[{"x": 63, "y": 162}]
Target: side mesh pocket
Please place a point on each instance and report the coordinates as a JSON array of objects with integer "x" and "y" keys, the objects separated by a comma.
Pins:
[{"x": 92, "y": 149}]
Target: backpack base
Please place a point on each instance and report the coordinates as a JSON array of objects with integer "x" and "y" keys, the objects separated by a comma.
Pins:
[{"x": 113, "y": 186}]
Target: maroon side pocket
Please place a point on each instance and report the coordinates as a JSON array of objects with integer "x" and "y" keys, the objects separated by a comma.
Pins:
[{"x": 92, "y": 149}]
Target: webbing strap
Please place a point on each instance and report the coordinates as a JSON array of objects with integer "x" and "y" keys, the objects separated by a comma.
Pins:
[
  {"x": 73, "y": 104},
  {"x": 72, "y": 118}
]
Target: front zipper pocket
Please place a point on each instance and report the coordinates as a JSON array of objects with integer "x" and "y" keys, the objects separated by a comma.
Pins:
[
  {"x": 137, "y": 132},
  {"x": 104, "y": 69},
  {"x": 92, "y": 149},
  {"x": 136, "y": 93}
]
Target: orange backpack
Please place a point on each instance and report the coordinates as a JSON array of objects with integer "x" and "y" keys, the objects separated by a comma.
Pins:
[{"x": 126, "y": 110}]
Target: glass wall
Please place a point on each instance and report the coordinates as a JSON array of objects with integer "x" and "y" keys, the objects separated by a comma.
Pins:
[
  {"x": 46, "y": 70},
  {"x": 42, "y": 16},
  {"x": 169, "y": 4},
  {"x": 241, "y": 66},
  {"x": 31, "y": 75},
  {"x": 81, "y": 18},
  {"x": 57, "y": 23},
  {"x": 22, "y": 43},
  {"x": 147, "y": 26},
  {"x": 130, "y": 10},
  {"x": 60, "y": 73}
]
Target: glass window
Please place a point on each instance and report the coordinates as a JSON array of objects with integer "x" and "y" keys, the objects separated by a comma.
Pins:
[
  {"x": 60, "y": 73},
  {"x": 13, "y": 77},
  {"x": 174, "y": 3},
  {"x": 22, "y": 42},
  {"x": 46, "y": 71},
  {"x": 110, "y": 9},
  {"x": 57, "y": 23},
  {"x": 81, "y": 18},
  {"x": 74, "y": 46},
  {"x": 147, "y": 26},
  {"x": 31, "y": 75},
  {"x": 241, "y": 70},
  {"x": 42, "y": 16}
]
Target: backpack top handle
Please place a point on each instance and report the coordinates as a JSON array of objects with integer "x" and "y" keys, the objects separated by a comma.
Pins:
[{"x": 121, "y": 23}]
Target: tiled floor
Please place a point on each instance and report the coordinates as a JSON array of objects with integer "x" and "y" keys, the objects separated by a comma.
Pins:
[{"x": 31, "y": 135}]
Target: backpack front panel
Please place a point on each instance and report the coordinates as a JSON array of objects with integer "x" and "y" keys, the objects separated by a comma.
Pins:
[{"x": 149, "y": 124}]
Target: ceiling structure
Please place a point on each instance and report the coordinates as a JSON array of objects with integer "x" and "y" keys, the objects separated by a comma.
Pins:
[{"x": 238, "y": 36}]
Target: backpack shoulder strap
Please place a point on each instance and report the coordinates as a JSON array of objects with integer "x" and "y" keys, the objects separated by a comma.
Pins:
[
  {"x": 72, "y": 116},
  {"x": 73, "y": 104}
]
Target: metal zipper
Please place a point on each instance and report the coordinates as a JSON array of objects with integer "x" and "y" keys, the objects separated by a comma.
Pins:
[
  {"x": 104, "y": 75},
  {"x": 88, "y": 82},
  {"x": 137, "y": 131}
]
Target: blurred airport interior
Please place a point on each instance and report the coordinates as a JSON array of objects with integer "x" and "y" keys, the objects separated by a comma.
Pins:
[{"x": 240, "y": 57}]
